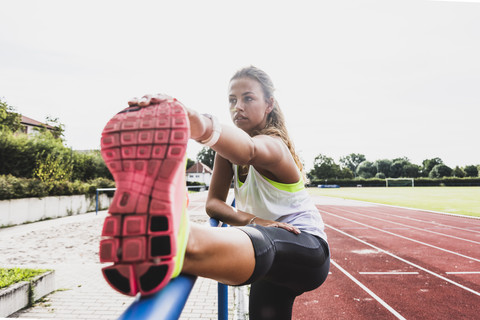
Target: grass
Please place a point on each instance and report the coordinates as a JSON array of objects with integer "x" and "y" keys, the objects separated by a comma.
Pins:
[
  {"x": 458, "y": 200},
  {"x": 14, "y": 275}
]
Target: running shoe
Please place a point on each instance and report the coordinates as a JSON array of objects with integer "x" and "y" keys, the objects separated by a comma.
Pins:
[{"x": 145, "y": 234}]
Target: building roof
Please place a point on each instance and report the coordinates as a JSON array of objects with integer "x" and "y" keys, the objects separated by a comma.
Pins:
[
  {"x": 34, "y": 123},
  {"x": 199, "y": 167}
]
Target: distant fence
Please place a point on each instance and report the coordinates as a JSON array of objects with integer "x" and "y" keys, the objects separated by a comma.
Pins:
[{"x": 419, "y": 182}]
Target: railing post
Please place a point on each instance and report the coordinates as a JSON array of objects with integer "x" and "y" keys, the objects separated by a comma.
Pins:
[
  {"x": 96, "y": 202},
  {"x": 96, "y": 196},
  {"x": 222, "y": 298},
  {"x": 222, "y": 289}
]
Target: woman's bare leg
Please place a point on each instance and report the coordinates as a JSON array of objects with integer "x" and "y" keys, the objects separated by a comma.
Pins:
[{"x": 222, "y": 254}]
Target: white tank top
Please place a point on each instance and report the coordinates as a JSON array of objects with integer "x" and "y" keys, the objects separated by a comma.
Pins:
[{"x": 267, "y": 199}]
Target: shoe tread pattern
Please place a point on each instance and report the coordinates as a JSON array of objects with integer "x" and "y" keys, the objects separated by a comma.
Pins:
[{"x": 144, "y": 149}]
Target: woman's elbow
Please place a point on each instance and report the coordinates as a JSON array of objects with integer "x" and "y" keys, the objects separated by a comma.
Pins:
[
  {"x": 209, "y": 208},
  {"x": 247, "y": 157}
]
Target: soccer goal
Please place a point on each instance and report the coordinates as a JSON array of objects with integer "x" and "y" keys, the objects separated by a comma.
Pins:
[{"x": 399, "y": 182}]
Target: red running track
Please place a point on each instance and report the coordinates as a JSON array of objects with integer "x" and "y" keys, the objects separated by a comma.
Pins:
[{"x": 396, "y": 263}]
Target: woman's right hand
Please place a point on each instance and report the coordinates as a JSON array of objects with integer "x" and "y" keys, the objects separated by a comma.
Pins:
[
  {"x": 199, "y": 124},
  {"x": 148, "y": 99}
]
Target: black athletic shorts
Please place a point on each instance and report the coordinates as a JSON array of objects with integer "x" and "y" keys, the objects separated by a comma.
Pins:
[{"x": 298, "y": 262}]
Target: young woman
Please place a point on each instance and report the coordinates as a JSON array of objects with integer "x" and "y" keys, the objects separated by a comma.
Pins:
[{"x": 277, "y": 244}]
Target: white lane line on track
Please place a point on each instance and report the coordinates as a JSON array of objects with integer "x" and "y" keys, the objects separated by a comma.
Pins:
[
  {"x": 393, "y": 273},
  {"x": 409, "y": 227},
  {"x": 370, "y": 292},
  {"x": 403, "y": 237},
  {"x": 406, "y": 261},
  {"x": 463, "y": 272},
  {"x": 437, "y": 224},
  {"x": 374, "y": 204}
]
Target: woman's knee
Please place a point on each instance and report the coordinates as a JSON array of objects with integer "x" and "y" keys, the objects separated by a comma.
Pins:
[{"x": 270, "y": 301}]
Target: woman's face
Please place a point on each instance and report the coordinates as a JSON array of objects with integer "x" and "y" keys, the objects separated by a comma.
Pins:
[{"x": 248, "y": 107}]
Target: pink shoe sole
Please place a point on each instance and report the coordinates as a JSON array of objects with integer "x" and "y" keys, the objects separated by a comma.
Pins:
[{"x": 144, "y": 149}]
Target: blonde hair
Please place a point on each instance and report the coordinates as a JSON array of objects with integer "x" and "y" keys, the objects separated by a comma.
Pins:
[{"x": 275, "y": 119}]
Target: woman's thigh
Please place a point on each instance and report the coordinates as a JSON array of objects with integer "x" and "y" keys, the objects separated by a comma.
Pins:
[{"x": 298, "y": 262}]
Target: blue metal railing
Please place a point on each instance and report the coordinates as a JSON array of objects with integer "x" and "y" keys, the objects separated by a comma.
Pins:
[{"x": 168, "y": 303}]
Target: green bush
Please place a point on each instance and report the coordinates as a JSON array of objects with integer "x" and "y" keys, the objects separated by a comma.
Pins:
[
  {"x": 34, "y": 188},
  {"x": 15, "y": 188},
  {"x": 20, "y": 154},
  {"x": 88, "y": 166},
  {"x": 195, "y": 183},
  {"x": 14, "y": 275},
  {"x": 6, "y": 187},
  {"x": 45, "y": 157},
  {"x": 12, "y": 188},
  {"x": 53, "y": 167},
  {"x": 99, "y": 183},
  {"x": 449, "y": 182},
  {"x": 64, "y": 188}
]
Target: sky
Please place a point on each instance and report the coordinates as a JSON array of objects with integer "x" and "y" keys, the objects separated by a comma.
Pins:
[{"x": 386, "y": 79}]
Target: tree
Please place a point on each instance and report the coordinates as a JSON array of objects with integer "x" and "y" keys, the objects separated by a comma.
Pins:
[
  {"x": 9, "y": 119},
  {"x": 206, "y": 156},
  {"x": 397, "y": 169},
  {"x": 190, "y": 163},
  {"x": 346, "y": 173},
  {"x": 428, "y": 165},
  {"x": 471, "y": 171},
  {"x": 412, "y": 170},
  {"x": 58, "y": 127},
  {"x": 383, "y": 166},
  {"x": 352, "y": 161},
  {"x": 366, "y": 170},
  {"x": 440, "y": 171},
  {"x": 458, "y": 172},
  {"x": 324, "y": 168}
]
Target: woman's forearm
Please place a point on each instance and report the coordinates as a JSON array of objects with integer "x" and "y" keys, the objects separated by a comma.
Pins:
[
  {"x": 233, "y": 144},
  {"x": 222, "y": 211}
]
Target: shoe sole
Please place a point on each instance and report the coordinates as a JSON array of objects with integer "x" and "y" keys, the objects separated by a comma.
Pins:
[{"x": 144, "y": 148}]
